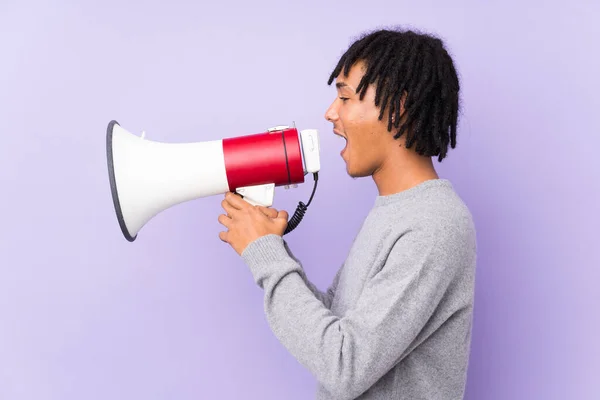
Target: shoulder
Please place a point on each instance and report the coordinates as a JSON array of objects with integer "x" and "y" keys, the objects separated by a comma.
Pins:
[
  {"x": 445, "y": 218},
  {"x": 435, "y": 208},
  {"x": 436, "y": 222},
  {"x": 446, "y": 215}
]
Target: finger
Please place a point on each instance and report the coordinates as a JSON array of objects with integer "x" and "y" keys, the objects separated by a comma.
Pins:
[
  {"x": 225, "y": 220},
  {"x": 230, "y": 209},
  {"x": 283, "y": 215},
  {"x": 269, "y": 212},
  {"x": 223, "y": 236},
  {"x": 282, "y": 221},
  {"x": 235, "y": 200}
]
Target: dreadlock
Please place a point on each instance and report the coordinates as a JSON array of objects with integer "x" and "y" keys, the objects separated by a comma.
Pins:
[{"x": 414, "y": 68}]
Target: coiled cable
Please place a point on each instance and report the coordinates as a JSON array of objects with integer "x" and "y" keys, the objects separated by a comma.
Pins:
[{"x": 301, "y": 209}]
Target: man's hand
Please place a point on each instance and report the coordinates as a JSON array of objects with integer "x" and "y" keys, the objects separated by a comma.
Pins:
[{"x": 246, "y": 223}]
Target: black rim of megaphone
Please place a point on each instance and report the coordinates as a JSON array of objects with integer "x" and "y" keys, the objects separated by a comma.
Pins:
[{"x": 113, "y": 183}]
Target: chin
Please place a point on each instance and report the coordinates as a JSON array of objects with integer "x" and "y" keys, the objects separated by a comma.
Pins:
[
  {"x": 360, "y": 171},
  {"x": 353, "y": 173}
]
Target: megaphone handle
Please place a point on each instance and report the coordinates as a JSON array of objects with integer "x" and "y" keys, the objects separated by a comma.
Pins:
[
  {"x": 258, "y": 195},
  {"x": 263, "y": 195},
  {"x": 250, "y": 201}
]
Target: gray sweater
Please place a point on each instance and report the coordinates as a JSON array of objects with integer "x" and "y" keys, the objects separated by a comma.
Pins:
[{"x": 396, "y": 321}]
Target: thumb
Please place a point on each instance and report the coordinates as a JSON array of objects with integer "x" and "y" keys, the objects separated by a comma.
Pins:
[
  {"x": 269, "y": 212},
  {"x": 282, "y": 220}
]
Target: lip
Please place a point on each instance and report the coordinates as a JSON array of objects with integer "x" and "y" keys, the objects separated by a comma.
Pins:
[{"x": 339, "y": 133}]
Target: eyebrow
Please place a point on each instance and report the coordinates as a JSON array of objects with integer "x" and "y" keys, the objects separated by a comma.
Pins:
[{"x": 342, "y": 85}]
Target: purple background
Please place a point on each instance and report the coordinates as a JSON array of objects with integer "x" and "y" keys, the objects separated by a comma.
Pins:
[{"x": 175, "y": 315}]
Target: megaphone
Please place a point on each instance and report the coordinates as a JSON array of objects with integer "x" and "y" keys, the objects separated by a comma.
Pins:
[{"x": 147, "y": 177}]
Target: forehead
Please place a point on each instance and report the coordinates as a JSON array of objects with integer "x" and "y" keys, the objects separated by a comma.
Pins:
[{"x": 351, "y": 81}]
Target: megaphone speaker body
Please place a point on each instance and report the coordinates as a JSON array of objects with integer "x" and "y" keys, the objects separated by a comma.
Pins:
[{"x": 147, "y": 177}]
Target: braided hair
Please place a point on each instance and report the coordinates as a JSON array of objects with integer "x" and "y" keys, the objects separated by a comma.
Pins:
[{"x": 414, "y": 68}]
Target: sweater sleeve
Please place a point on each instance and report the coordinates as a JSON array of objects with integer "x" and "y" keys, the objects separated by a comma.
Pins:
[
  {"x": 325, "y": 297},
  {"x": 348, "y": 354}
]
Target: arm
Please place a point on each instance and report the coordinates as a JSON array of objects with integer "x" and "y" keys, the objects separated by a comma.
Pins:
[
  {"x": 325, "y": 297},
  {"x": 348, "y": 355}
]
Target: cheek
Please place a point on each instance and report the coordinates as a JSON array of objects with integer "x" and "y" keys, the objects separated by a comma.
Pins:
[
  {"x": 352, "y": 110},
  {"x": 343, "y": 115},
  {"x": 361, "y": 126},
  {"x": 351, "y": 121},
  {"x": 357, "y": 116}
]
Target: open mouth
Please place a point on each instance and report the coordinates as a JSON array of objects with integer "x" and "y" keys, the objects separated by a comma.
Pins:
[
  {"x": 340, "y": 135},
  {"x": 345, "y": 139}
]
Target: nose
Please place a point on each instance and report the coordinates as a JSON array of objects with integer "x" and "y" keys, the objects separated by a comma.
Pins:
[{"x": 331, "y": 114}]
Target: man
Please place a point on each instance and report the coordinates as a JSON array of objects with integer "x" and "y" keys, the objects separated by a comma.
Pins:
[{"x": 396, "y": 321}]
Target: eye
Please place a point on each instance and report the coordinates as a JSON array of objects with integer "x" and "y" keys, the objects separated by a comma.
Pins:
[{"x": 344, "y": 99}]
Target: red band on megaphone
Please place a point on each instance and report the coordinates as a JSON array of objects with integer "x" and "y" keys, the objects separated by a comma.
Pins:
[{"x": 271, "y": 157}]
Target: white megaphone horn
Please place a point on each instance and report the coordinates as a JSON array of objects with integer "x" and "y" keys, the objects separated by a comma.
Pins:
[{"x": 148, "y": 177}]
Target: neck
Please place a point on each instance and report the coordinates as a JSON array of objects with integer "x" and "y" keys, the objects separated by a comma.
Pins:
[{"x": 401, "y": 173}]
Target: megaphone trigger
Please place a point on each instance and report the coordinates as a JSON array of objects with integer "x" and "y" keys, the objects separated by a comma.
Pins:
[{"x": 262, "y": 195}]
